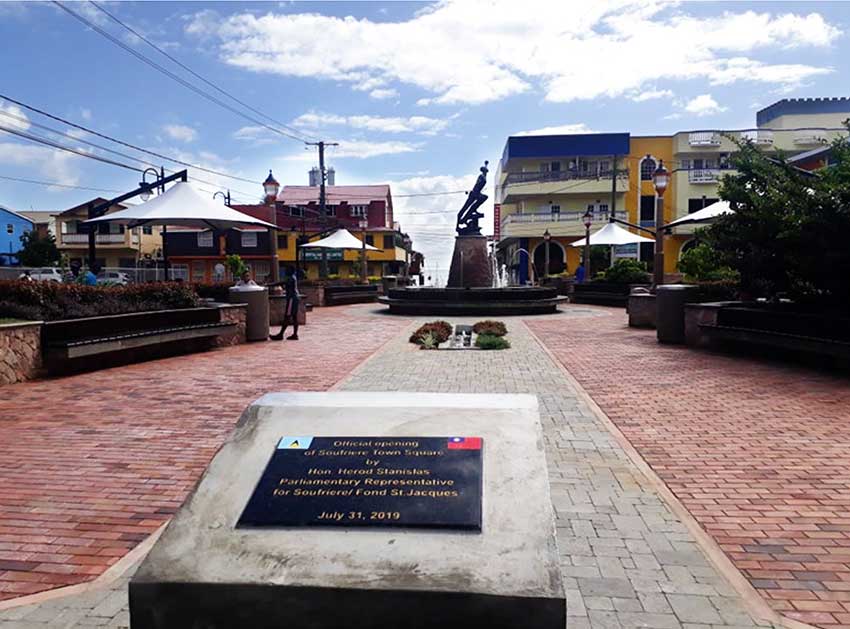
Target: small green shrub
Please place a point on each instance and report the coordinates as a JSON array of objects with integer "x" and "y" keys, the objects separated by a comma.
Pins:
[
  {"x": 703, "y": 263},
  {"x": 625, "y": 271},
  {"x": 441, "y": 330},
  {"x": 490, "y": 341},
  {"x": 494, "y": 328},
  {"x": 720, "y": 290},
  {"x": 235, "y": 264},
  {"x": 429, "y": 341},
  {"x": 217, "y": 291}
]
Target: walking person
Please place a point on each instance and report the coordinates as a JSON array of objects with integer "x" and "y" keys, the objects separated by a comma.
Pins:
[{"x": 290, "y": 307}]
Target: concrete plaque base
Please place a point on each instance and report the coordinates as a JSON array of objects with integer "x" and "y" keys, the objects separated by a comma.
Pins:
[{"x": 205, "y": 572}]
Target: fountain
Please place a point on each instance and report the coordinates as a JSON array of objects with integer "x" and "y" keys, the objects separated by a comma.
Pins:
[{"x": 476, "y": 285}]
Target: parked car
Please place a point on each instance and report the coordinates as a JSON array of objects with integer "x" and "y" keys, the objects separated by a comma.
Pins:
[
  {"x": 113, "y": 277},
  {"x": 46, "y": 274}
]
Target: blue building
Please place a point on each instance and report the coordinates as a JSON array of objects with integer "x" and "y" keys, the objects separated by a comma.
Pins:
[{"x": 12, "y": 227}]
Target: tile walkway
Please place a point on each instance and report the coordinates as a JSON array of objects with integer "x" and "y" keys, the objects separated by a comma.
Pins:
[
  {"x": 93, "y": 464},
  {"x": 758, "y": 452}
]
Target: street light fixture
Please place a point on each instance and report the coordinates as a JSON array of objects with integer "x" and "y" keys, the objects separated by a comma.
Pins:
[
  {"x": 546, "y": 238},
  {"x": 148, "y": 190},
  {"x": 661, "y": 178},
  {"x": 588, "y": 221}
]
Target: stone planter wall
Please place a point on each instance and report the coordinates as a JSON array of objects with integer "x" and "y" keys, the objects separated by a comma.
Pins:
[
  {"x": 233, "y": 313},
  {"x": 313, "y": 295},
  {"x": 641, "y": 310},
  {"x": 20, "y": 351},
  {"x": 695, "y": 314},
  {"x": 277, "y": 304}
]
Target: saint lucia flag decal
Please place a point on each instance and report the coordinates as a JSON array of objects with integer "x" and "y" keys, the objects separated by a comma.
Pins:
[{"x": 294, "y": 443}]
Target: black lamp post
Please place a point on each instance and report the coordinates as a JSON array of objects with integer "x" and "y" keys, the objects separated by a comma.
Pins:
[
  {"x": 588, "y": 221},
  {"x": 407, "y": 243},
  {"x": 364, "y": 265},
  {"x": 546, "y": 238},
  {"x": 661, "y": 177},
  {"x": 224, "y": 197}
]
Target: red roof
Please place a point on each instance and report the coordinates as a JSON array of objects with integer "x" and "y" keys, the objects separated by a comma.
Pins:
[{"x": 353, "y": 195}]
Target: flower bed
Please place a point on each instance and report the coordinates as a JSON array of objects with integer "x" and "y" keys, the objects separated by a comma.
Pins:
[{"x": 52, "y": 301}]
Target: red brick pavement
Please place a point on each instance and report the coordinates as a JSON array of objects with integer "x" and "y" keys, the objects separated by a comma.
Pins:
[
  {"x": 758, "y": 452},
  {"x": 92, "y": 464}
]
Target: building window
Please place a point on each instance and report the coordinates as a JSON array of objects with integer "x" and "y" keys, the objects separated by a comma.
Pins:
[
  {"x": 205, "y": 239},
  {"x": 370, "y": 240},
  {"x": 389, "y": 241},
  {"x": 199, "y": 270},
  {"x": 262, "y": 270},
  {"x": 147, "y": 230},
  {"x": 358, "y": 210},
  {"x": 296, "y": 210},
  {"x": 695, "y": 205},
  {"x": 685, "y": 164},
  {"x": 602, "y": 208},
  {"x": 555, "y": 209},
  {"x": 283, "y": 241},
  {"x": 10, "y": 229},
  {"x": 604, "y": 167},
  {"x": 647, "y": 168},
  {"x": 249, "y": 239},
  {"x": 179, "y": 271},
  {"x": 647, "y": 208}
]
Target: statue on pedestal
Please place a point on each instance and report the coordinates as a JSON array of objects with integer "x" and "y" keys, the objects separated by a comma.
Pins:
[{"x": 467, "y": 217}]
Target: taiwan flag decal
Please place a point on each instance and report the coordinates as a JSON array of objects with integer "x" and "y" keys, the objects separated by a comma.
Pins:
[{"x": 464, "y": 443}]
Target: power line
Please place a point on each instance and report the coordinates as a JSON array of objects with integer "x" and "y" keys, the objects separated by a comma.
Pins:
[
  {"x": 122, "y": 143},
  {"x": 57, "y": 185},
  {"x": 170, "y": 74},
  {"x": 195, "y": 74},
  {"x": 61, "y": 147}
]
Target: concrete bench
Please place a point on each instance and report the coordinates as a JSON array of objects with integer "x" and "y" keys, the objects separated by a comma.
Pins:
[{"x": 70, "y": 341}]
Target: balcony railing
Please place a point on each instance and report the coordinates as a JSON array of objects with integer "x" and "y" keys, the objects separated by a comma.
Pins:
[
  {"x": 703, "y": 175},
  {"x": 704, "y": 138},
  {"x": 560, "y": 175},
  {"x": 808, "y": 138},
  {"x": 557, "y": 217},
  {"x": 100, "y": 239}
]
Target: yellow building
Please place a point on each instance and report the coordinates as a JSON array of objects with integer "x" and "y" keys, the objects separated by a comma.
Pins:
[
  {"x": 391, "y": 258},
  {"x": 117, "y": 246},
  {"x": 548, "y": 184}
]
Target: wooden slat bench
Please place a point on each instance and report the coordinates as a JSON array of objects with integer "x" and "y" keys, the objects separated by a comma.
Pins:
[{"x": 65, "y": 342}]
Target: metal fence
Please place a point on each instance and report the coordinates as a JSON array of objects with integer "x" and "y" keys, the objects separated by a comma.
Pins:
[{"x": 107, "y": 275}]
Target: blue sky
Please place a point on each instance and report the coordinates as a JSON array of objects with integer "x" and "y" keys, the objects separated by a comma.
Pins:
[{"x": 417, "y": 94}]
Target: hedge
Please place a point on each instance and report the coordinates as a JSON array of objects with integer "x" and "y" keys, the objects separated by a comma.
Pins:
[{"x": 52, "y": 301}]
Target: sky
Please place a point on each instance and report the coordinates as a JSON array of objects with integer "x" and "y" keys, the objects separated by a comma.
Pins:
[{"x": 417, "y": 95}]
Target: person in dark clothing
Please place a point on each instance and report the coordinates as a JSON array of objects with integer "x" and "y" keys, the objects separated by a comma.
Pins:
[{"x": 290, "y": 307}]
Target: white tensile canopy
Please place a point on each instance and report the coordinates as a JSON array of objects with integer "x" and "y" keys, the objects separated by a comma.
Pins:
[
  {"x": 705, "y": 215},
  {"x": 613, "y": 235},
  {"x": 182, "y": 205},
  {"x": 340, "y": 239}
]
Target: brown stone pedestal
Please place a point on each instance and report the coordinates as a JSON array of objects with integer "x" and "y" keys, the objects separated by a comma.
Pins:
[{"x": 470, "y": 263}]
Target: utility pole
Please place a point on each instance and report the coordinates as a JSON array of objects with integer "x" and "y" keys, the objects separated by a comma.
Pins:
[
  {"x": 613, "y": 209},
  {"x": 323, "y": 195}
]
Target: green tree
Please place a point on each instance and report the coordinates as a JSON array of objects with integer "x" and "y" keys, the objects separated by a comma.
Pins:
[
  {"x": 789, "y": 231},
  {"x": 37, "y": 251},
  {"x": 704, "y": 263}
]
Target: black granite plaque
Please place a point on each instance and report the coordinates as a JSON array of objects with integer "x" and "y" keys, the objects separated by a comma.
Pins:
[{"x": 430, "y": 482}]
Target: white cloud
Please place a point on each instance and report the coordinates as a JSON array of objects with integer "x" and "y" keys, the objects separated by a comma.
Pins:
[
  {"x": 568, "y": 51},
  {"x": 52, "y": 164},
  {"x": 651, "y": 95},
  {"x": 16, "y": 118},
  {"x": 430, "y": 220},
  {"x": 181, "y": 132},
  {"x": 381, "y": 93},
  {"x": 85, "y": 114},
  {"x": 704, "y": 105},
  {"x": 564, "y": 129},
  {"x": 412, "y": 124}
]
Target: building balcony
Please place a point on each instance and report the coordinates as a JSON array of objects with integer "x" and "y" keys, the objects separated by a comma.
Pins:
[
  {"x": 127, "y": 240},
  {"x": 704, "y": 138},
  {"x": 808, "y": 137},
  {"x": 703, "y": 175},
  {"x": 523, "y": 184},
  {"x": 533, "y": 224}
]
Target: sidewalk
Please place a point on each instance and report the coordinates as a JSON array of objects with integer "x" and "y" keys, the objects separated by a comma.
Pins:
[{"x": 627, "y": 560}]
